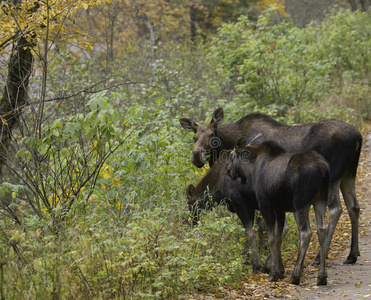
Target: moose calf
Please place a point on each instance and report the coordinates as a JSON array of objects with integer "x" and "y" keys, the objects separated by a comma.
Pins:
[{"x": 285, "y": 182}]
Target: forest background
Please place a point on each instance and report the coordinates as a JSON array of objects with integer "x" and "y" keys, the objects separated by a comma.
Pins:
[{"x": 94, "y": 163}]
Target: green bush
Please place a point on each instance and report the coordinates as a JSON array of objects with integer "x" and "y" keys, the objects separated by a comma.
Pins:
[
  {"x": 271, "y": 63},
  {"x": 97, "y": 209}
]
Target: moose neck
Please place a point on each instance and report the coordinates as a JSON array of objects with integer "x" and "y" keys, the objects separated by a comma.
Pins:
[
  {"x": 248, "y": 127},
  {"x": 228, "y": 134},
  {"x": 213, "y": 179}
]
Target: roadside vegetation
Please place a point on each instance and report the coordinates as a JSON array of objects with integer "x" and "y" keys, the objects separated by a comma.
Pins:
[{"x": 93, "y": 195}]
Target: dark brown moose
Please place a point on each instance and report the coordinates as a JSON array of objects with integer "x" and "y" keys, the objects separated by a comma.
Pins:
[
  {"x": 338, "y": 142},
  {"x": 217, "y": 187},
  {"x": 285, "y": 182}
]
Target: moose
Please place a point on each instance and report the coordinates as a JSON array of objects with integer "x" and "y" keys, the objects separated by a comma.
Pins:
[
  {"x": 218, "y": 187},
  {"x": 285, "y": 182},
  {"x": 338, "y": 142}
]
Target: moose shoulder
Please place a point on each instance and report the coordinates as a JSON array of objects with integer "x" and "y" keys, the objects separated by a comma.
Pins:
[
  {"x": 338, "y": 142},
  {"x": 285, "y": 182}
]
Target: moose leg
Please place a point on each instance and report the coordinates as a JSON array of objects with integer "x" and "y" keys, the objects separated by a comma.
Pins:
[
  {"x": 305, "y": 233},
  {"x": 320, "y": 211},
  {"x": 347, "y": 187},
  {"x": 266, "y": 267},
  {"x": 334, "y": 212},
  {"x": 280, "y": 223},
  {"x": 270, "y": 219},
  {"x": 262, "y": 228},
  {"x": 274, "y": 253},
  {"x": 250, "y": 241},
  {"x": 285, "y": 229},
  {"x": 247, "y": 219}
]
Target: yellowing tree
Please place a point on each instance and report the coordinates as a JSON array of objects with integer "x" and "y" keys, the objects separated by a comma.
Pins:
[
  {"x": 280, "y": 4},
  {"x": 121, "y": 22},
  {"x": 31, "y": 27},
  {"x": 35, "y": 19}
]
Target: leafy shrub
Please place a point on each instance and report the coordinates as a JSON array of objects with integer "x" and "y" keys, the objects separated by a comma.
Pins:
[
  {"x": 271, "y": 63},
  {"x": 97, "y": 210},
  {"x": 66, "y": 157},
  {"x": 344, "y": 37}
]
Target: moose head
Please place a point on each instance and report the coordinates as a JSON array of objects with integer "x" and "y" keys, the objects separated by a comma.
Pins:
[{"x": 205, "y": 137}]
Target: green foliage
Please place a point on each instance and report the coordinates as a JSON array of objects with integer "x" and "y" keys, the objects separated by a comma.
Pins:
[
  {"x": 271, "y": 63},
  {"x": 97, "y": 209},
  {"x": 67, "y": 156},
  {"x": 282, "y": 67},
  {"x": 153, "y": 254},
  {"x": 345, "y": 38}
]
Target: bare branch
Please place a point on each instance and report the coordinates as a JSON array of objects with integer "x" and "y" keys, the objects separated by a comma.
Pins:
[{"x": 7, "y": 42}]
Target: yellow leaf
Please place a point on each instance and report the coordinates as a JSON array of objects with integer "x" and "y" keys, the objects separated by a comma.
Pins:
[
  {"x": 88, "y": 47},
  {"x": 94, "y": 146},
  {"x": 85, "y": 6},
  {"x": 4, "y": 121}
]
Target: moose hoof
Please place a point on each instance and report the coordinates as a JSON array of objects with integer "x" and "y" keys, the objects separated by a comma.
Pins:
[
  {"x": 256, "y": 269},
  {"x": 265, "y": 270},
  {"x": 295, "y": 280},
  {"x": 352, "y": 259},
  {"x": 322, "y": 280}
]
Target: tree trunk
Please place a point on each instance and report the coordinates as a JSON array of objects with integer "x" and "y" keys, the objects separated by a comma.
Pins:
[
  {"x": 353, "y": 5},
  {"x": 15, "y": 92},
  {"x": 193, "y": 19},
  {"x": 363, "y": 5}
]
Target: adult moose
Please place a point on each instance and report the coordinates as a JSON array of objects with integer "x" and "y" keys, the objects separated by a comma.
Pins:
[
  {"x": 338, "y": 142},
  {"x": 284, "y": 182},
  {"x": 239, "y": 198}
]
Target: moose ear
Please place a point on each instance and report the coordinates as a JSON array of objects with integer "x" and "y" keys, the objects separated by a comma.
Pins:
[
  {"x": 188, "y": 124},
  {"x": 240, "y": 144},
  {"x": 256, "y": 140},
  {"x": 217, "y": 117}
]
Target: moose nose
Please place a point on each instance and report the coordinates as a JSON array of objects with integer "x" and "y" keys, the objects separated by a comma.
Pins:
[{"x": 199, "y": 158}]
